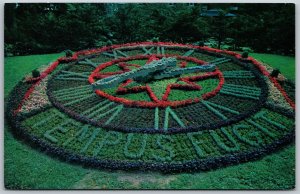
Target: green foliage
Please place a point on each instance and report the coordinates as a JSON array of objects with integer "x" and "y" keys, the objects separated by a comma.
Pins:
[
  {"x": 246, "y": 49},
  {"x": 211, "y": 42},
  {"x": 245, "y": 55},
  {"x": 226, "y": 47},
  {"x": 35, "y": 73},
  {"x": 109, "y": 43},
  {"x": 68, "y": 53},
  {"x": 275, "y": 73},
  {"x": 200, "y": 43},
  {"x": 81, "y": 26},
  {"x": 207, "y": 85},
  {"x": 8, "y": 50},
  {"x": 154, "y": 39}
]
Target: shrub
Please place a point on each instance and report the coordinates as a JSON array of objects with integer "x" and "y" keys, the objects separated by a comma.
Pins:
[
  {"x": 99, "y": 43},
  {"x": 226, "y": 47},
  {"x": 68, "y": 53},
  {"x": 109, "y": 43},
  {"x": 247, "y": 49},
  {"x": 275, "y": 73},
  {"x": 211, "y": 42},
  {"x": 155, "y": 39},
  {"x": 35, "y": 73},
  {"x": 199, "y": 43},
  {"x": 245, "y": 55},
  {"x": 8, "y": 50},
  {"x": 229, "y": 41}
]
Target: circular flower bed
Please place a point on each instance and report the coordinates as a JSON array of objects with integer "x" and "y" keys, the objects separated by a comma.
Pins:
[{"x": 190, "y": 122}]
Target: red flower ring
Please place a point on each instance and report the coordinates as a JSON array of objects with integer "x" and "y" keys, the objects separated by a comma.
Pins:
[{"x": 189, "y": 83}]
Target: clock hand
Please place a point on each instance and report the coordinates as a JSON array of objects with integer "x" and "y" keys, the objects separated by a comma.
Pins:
[
  {"x": 151, "y": 68},
  {"x": 157, "y": 69}
]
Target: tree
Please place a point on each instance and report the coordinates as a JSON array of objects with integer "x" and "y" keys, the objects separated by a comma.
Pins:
[{"x": 54, "y": 27}]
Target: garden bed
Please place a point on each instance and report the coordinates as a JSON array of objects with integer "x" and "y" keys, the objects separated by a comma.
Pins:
[{"x": 168, "y": 125}]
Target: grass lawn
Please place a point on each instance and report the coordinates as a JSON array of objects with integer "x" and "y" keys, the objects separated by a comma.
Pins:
[
  {"x": 285, "y": 64},
  {"x": 28, "y": 168}
]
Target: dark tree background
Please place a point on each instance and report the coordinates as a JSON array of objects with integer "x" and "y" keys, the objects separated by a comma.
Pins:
[{"x": 44, "y": 28}]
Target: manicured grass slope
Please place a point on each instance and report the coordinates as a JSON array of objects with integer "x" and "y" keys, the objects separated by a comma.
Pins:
[
  {"x": 28, "y": 168},
  {"x": 285, "y": 64}
]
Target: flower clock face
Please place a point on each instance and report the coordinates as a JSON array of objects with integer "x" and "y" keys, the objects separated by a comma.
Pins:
[{"x": 155, "y": 106}]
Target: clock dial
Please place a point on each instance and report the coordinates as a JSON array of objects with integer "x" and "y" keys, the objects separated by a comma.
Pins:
[
  {"x": 158, "y": 106},
  {"x": 230, "y": 92}
]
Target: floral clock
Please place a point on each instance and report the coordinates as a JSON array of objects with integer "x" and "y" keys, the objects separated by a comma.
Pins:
[{"x": 211, "y": 109}]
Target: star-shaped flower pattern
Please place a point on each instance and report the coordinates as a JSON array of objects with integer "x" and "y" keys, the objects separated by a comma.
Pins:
[{"x": 158, "y": 90}]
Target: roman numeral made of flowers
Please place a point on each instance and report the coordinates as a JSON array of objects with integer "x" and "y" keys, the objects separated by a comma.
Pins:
[
  {"x": 215, "y": 108},
  {"x": 240, "y": 91},
  {"x": 88, "y": 62},
  {"x": 74, "y": 95},
  {"x": 238, "y": 74},
  {"x": 102, "y": 110},
  {"x": 188, "y": 53},
  {"x": 160, "y": 50},
  {"x": 168, "y": 113},
  {"x": 147, "y": 51},
  {"x": 219, "y": 61},
  {"x": 73, "y": 76},
  {"x": 115, "y": 54}
]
